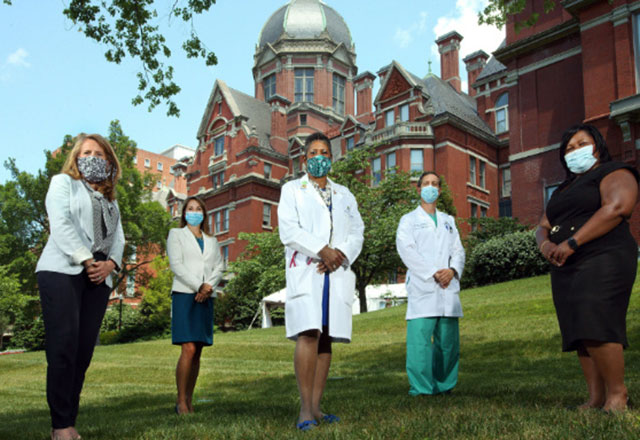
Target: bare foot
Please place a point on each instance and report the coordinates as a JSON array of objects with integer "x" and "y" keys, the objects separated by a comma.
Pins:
[
  {"x": 591, "y": 404},
  {"x": 615, "y": 404},
  {"x": 64, "y": 434},
  {"x": 182, "y": 408}
]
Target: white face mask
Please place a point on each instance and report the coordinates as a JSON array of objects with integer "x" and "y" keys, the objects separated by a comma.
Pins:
[{"x": 581, "y": 160}]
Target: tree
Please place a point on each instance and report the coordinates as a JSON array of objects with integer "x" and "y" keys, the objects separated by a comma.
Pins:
[
  {"x": 381, "y": 207},
  {"x": 156, "y": 299},
  {"x": 258, "y": 272},
  {"x": 130, "y": 27},
  {"x": 11, "y": 299},
  {"x": 24, "y": 226}
]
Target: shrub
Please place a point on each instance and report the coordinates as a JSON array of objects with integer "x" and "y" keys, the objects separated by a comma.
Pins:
[
  {"x": 504, "y": 258},
  {"x": 109, "y": 337},
  {"x": 28, "y": 334}
]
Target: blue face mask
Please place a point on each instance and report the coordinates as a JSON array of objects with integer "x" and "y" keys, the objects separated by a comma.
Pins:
[
  {"x": 429, "y": 193},
  {"x": 581, "y": 160},
  {"x": 318, "y": 166},
  {"x": 194, "y": 218}
]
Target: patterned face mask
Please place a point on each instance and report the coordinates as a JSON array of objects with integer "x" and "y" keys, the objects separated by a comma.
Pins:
[
  {"x": 94, "y": 169},
  {"x": 318, "y": 166}
]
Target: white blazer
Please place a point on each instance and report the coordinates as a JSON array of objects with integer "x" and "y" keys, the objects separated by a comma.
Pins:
[
  {"x": 425, "y": 249},
  {"x": 191, "y": 266},
  {"x": 305, "y": 228},
  {"x": 70, "y": 212}
]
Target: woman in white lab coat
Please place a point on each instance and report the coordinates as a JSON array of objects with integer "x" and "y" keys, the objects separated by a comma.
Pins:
[
  {"x": 429, "y": 245},
  {"x": 322, "y": 231}
]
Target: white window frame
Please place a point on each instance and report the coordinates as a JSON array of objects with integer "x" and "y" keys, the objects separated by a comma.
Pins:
[
  {"x": 147, "y": 163},
  {"x": 503, "y": 112},
  {"x": 412, "y": 163},
  {"x": 268, "y": 169},
  {"x": 217, "y": 149},
  {"x": 472, "y": 170},
  {"x": 482, "y": 174},
  {"x": 302, "y": 82},
  {"x": 159, "y": 166},
  {"x": 339, "y": 84},
  {"x": 505, "y": 188},
  {"x": 389, "y": 116},
  {"x": 404, "y": 113},
  {"x": 376, "y": 163},
  {"x": 389, "y": 169},
  {"x": 266, "y": 215},
  {"x": 269, "y": 84},
  {"x": 351, "y": 141}
]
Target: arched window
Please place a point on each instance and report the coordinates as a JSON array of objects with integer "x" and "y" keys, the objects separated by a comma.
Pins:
[{"x": 502, "y": 113}]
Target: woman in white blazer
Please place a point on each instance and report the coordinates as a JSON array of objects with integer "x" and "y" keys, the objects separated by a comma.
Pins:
[
  {"x": 322, "y": 231},
  {"x": 429, "y": 245},
  {"x": 85, "y": 246},
  {"x": 196, "y": 263}
]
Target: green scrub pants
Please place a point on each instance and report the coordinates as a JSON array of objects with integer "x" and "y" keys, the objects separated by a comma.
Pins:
[{"x": 433, "y": 354}]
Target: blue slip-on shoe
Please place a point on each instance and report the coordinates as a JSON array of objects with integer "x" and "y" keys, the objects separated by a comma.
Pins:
[
  {"x": 330, "y": 418},
  {"x": 306, "y": 425}
]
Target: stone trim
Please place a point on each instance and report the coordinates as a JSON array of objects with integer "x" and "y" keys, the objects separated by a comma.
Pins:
[{"x": 533, "y": 152}]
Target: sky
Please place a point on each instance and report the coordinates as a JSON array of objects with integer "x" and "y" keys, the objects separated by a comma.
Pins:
[{"x": 54, "y": 81}]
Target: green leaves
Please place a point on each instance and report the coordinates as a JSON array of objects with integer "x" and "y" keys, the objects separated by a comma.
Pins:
[{"x": 131, "y": 27}]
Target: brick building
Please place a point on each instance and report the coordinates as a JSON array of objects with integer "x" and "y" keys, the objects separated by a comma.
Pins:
[
  {"x": 576, "y": 64},
  {"x": 579, "y": 63}
]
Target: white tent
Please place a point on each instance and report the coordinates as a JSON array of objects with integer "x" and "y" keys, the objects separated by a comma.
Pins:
[{"x": 378, "y": 297}]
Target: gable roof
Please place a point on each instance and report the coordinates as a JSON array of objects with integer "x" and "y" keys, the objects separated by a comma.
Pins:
[
  {"x": 493, "y": 65},
  {"x": 255, "y": 113}
]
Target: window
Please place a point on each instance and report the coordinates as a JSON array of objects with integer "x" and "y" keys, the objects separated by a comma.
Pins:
[
  {"x": 472, "y": 170},
  {"x": 159, "y": 166},
  {"x": 269, "y": 84},
  {"x": 474, "y": 210},
  {"x": 219, "y": 108},
  {"x": 135, "y": 160},
  {"x": 506, "y": 182},
  {"x": 266, "y": 215},
  {"x": 303, "y": 85},
  {"x": 417, "y": 164},
  {"x": 158, "y": 184},
  {"x": 404, "y": 113},
  {"x": 376, "y": 170},
  {"x": 391, "y": 163},
  {"x": 147, "y": 163},
  {"x": 483, "y": 211},
  {"x": 222, "y": 220},
  {"x": 303, "y": 119},
  {"x": 388, "y": 118},
  {"x": 338, "y": 93},
  {"x": 482, "y": 174},
  {"x": 218, "y": 180},
  {"x": 295, "y": 165},
  {"x": 505, "y": 208},
  {"x": 350, "y": 142},
  {"x": 267, "y": 171},
  {"x": 548, "y": 192},
  {"x": 225, "y": 255},
  {"x": 502, "y": 113},
  {"x": 218, "y": 148}
]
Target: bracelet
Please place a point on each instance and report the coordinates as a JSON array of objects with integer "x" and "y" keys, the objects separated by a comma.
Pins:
[{"x": 541, "y": 247}]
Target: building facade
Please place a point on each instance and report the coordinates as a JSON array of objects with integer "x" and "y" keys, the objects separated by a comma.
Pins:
[{"x": 497, "y": 145}]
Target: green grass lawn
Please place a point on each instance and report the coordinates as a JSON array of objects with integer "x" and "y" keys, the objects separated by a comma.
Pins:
[{"x": 514, "y": 383}]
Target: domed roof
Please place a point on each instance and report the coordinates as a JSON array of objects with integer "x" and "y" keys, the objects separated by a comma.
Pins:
[{"x": 305, "y": 19}]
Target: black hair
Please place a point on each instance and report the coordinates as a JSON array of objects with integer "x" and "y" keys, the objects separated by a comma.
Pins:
[
  {"x": 600, "y": 145},
  {"x": 426, "y": 173},
  {"x": 317, "y": 136}
]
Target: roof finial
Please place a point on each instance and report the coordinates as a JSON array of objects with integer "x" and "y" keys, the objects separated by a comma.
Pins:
[{"x": 429, "y": 66}]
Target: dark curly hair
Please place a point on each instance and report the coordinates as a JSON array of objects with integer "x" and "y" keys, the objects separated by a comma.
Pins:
[{"x": 601, "y": 145}]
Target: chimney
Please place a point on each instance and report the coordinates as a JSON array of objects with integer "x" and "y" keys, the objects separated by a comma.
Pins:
[
  {"x": 363, "y": 84},
  {"x": 448, "y": 46},
  {"x": 279, "y": 105},
  {"x": 475, "y": 62}
]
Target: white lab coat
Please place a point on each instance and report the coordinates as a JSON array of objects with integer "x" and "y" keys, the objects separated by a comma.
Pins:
[
  {"x": 305, "y": 228},
  {"x": 425, "y": 249},
  {"x": 70, "y": 215},
  {"x": 191, "y": 266}
]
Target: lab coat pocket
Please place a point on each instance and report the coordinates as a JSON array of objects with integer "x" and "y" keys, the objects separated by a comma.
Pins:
[
  {"x": 418, "y": 287},
  {"x": 454, "y": 286},
  {"x": 348, "y": 287},
  {"x": 299, "y": 282}
]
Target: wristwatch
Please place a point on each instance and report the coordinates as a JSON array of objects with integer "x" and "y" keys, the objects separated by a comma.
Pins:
[{"x": 573, "y": 244}]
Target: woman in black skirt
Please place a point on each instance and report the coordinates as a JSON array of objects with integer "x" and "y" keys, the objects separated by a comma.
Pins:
[
  {"x": 196, "y": 263},
  {"x": 585, "y": 236}
]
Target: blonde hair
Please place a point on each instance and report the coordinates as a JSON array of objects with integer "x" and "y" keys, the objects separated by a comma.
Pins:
[{"x": 70, "y": 167}]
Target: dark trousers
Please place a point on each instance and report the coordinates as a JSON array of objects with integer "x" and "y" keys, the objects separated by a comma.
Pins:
[{"x": 72, "y": 308}]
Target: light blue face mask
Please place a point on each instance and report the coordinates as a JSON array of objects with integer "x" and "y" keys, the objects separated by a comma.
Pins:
[
  {"x": 194, "y": 218},
  {"x": 581, "y": 160},
  {"x": 429, "y": 193}
]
